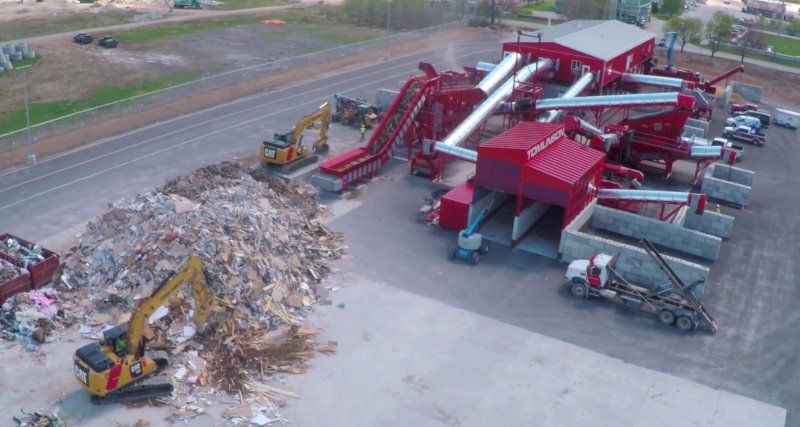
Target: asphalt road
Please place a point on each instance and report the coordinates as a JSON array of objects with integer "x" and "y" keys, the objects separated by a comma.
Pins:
[{"x": 62, "y": 193}]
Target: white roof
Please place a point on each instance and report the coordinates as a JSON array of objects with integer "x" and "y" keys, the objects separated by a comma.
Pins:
[{"x": 605, "y": 40}]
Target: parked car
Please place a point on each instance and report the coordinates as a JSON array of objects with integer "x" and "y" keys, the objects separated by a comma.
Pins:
[
  {"x": 765, "y": 117},
  {"x": 722, "y": 142},
  {"x": 745, "y": 133},
  {"x": 107, "y": 42},
  {"x": 736, "y": 108},
  {"x": 743, "y": 121},
  {"x": 83, "y": 38}
]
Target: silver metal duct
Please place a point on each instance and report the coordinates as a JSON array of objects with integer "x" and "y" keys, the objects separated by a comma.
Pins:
[
  {"x": 485, "y": 66},
  {"x": 705, "y": 151},
  {"x": 588, "y": 127},
  {"x": 633, "y": 100},
  {"x": 579, "y": 86},
  {"x": 500, "y": 73},
  {"x": 644, "y": 195},
  {"x": 645, "y": 79},
  {"x": 460, "y": 152},
  {"x": 486, "y": 108}
]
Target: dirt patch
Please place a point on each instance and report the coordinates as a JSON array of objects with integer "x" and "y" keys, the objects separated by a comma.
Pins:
[
  {"x": 74, "y": 138},
  {"x": 779, "y": 86}
]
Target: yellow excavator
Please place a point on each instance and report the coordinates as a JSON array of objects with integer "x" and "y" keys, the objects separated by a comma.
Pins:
[
  {"x": 118, "y": 368},
  {"x": 286, "y": 150}
]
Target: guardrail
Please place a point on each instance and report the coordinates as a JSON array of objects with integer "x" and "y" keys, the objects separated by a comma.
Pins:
[
  {"x": 18, "y": 138},
  {"x": 763, "y": 53}
]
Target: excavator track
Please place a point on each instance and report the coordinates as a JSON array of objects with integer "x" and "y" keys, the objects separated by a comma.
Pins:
[
  {"x": 147, "y": 388},
  {"x": 298, "y": 164}
]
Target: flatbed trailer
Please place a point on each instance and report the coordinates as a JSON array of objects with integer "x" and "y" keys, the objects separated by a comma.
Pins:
[{"x": 676, "y": 304}]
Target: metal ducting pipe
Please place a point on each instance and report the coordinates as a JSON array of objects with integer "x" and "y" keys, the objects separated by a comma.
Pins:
[
  {"x": 705, "y": 151},
  {"x": 633, "y": 100},
  {"x": 485, "y": 66},
  {"x": 499, "y": 73},
  {"x": 644, "y": 195},
  {"x": 485, "y": 109},
  {"x": 460, "y": 152},
  {"x": 579, "y": 86},
  {"x": 648, "y": 80}
]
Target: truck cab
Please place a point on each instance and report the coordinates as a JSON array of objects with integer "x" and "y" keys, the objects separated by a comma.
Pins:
[
  {"x": 722, "y": 142},
  {"x": 593, "y": 271},
  {"x": 744, "y": 133}
]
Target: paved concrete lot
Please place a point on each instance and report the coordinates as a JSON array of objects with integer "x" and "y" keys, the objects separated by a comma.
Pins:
[
  {"x": 751, "y": 290},
  {"x": 407, "y": 360}
]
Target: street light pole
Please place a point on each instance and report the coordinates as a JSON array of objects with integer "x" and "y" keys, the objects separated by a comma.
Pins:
[
  {"x": 386, "y": 32},
  {"x": 31, "y": 155}
]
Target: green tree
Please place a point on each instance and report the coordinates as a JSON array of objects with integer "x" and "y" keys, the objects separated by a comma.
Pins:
[
  {"x": 793, "y": 29},
  {"x": 688, "y": 29},
  {"x": 751, "y": 40},
  {"x": 718, "y": 29},
  {"x": 672, "y": 7}
]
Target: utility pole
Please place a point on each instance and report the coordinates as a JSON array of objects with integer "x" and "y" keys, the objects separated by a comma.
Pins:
[
  {"x": 386, "y": 32},
  {"x": 31, "y": 155}
]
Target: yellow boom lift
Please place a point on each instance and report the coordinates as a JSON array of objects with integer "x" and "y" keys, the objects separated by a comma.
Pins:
[
  {"x": 118, "y": 369},
  {"x": 286, "y": 150}
]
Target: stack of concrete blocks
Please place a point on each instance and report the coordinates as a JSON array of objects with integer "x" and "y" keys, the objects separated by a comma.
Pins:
[
  {"x": 728, "y": 184},
  {"x": 699, "y": 127},
  {"x": 748, "y": 92},
  {"x": 709, "y": 222},
  {"x": 634, "y": 263},
  {"x": 9, "y": 53},
  {"x": 384, "y": 99},
  {"x": 673, "y": 236}
]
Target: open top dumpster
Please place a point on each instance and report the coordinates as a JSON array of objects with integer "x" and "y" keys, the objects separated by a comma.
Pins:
[
  {"x": 40, "y": 263},
  {"x": 12, "y": 280}
]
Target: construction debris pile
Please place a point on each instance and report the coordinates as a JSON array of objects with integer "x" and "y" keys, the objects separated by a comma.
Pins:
[
  {"x": 265, "y": 248},
  {"x": 32, "y": 316},
  {"x": 14, "y": 249}
]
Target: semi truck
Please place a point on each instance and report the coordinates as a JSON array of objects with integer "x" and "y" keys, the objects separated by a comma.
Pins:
[
  {"x": 745, "y": 133},
  {"x": 674, "y": 304},
  {"x": 786, "y": 118}
]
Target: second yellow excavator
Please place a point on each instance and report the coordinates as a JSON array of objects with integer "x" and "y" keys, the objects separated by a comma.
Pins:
[
  {"x": 118, "y": 369},
  {"x": 286, "y": 150}
]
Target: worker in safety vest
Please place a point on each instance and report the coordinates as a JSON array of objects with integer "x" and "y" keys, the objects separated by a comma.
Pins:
[{"x": 363, "y": 130}]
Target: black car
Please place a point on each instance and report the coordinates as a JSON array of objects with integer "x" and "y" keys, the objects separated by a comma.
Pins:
[
  {"x": 83, "y": 38},
  {"x": 107, "y": 42}
]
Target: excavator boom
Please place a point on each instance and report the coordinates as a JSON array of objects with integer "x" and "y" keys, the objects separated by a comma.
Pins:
[{"x": 190, "y": 271}]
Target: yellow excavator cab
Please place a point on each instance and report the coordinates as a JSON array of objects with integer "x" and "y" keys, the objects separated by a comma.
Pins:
[
  {"x": 118, "y": 368},
  {"x": 286, "y": 150}
]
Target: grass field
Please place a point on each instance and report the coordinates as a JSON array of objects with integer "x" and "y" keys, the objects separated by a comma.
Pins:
[
  {"x": 249, "y": 4},
  {"x": 783, "y": 45},
  {"x": 42, "y": 112},
  {"x": 24, "y": 28},
  {"x": 544, "y": 6},
  {"x": 165, "y": 31}
]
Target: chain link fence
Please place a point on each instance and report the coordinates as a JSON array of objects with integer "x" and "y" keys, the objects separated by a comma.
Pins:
[{"x": 16, "y": 139}]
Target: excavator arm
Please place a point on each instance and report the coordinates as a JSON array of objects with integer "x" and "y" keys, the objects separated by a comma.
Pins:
[
  {"x": 190, "y": 271},
  {"x": 323, "y": 113}
]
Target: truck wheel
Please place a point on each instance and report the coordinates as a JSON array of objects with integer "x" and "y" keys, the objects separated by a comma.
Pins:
[
  {"x": 485, "y": 248},
  {"x": 476, "y": 257},
  {"x": 666, "y": 317},
  {"x": 579, "y": 289},
  {"x": 685, "y": 323}
]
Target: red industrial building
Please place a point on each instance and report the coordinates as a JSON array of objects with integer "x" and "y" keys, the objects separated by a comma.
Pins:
[
  {"x": 535, "y": 164},
  {"x": 578, "y": 47}
]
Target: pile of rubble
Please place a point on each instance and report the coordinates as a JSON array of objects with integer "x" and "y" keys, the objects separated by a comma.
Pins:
[
  {"x": 32, "y": 316},
  {"x": 265, "y": 248}
]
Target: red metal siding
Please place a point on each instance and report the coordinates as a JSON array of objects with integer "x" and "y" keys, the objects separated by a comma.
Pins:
[
  {"x": 561, "y": 174},
  {"x": 512, "y": 146},
  {"x": 640, "y": 54},
  {"x": 454, "y": 209},
  {"x": 562, "y": 55},
  {"x": 496, "y": 174}
]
